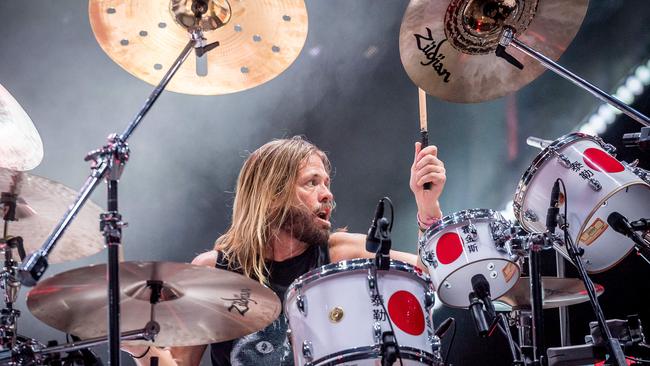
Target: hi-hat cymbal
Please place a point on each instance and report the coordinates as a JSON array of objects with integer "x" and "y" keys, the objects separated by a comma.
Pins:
[
  {"x": 21, "y": 147},
  {"x": 199, "y": 305},
  {"x": 258, "y": 40},
  {"x": 557, "y": 292},
  {"x": 448, "y": 46},
  {"x": 41, "y": 203}
]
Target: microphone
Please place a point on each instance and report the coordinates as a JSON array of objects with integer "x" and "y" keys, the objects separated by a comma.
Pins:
[
  {"x": 372, "y": 241},
  {"x": 444, "y": 327},
  {"x": 553, "y": 210},
  {"x": 481, "y": 288},
  {"x": 476, "y": 309},
  {"x": 621, "y": 225}
]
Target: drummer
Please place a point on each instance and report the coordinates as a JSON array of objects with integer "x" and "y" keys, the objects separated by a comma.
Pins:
[{"x": 280, "y": 230}]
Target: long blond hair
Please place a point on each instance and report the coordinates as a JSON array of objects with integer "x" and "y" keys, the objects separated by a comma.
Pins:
[{"x": 264, "y": 194}]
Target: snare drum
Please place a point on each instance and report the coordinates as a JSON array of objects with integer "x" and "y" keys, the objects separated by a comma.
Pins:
[
  {"x": 597, "y": 184},
  {"x": 465, "y": 244},
  {"x": 336, "y": 317}
]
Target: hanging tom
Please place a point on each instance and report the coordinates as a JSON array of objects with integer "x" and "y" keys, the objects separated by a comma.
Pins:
[
  {"x": 597, "y": 184},
  {"x": 465, "y": 244}
]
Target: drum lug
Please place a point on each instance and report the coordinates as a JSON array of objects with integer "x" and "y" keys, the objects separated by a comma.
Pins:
[
  {"x": 530, "y": 215},
  {"x": 429, "y": 258},
  {"x": 372, "y": 275},
  {"x": 289, "y": 336},
  {"x": 307, "y": 350},
  {"x": 610, "y": 149},
  {"x": 376, "y": 332},
  {"x": 301, "y": 303},
  {"x": 434, "y": 341},
  {"x": 595, "y": 184},
  {"x": 564, "y": 161}
]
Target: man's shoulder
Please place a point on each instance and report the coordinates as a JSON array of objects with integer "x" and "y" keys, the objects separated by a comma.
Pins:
[
  {"x": 208, "y": 259},
  {"x": 343, "y": 245}
]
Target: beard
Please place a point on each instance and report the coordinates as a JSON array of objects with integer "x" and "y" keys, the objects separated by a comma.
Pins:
[{"x": 301, "y": 224}]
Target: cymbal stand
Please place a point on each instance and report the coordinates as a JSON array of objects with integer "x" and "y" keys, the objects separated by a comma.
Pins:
[
  {"x": 108, "y": 163},
  {"x": 613, "y": 345},
  {"x": 8, "y": 281},
  {"x": 508, "y": 39},
  {"x": 537, "y": 243},
  {"x": 30, "y": 353}
]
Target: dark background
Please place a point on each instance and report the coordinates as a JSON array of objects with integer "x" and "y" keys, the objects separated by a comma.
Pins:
[{"x": 352, "y": 98}]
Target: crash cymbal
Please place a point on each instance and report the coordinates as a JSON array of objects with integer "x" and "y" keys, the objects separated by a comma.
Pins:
[
  {"x": 41, "y": 204},
  {"x": 258, "y": 40},
  {"x": 199, "y": 305},
  {"x": 557, "y": 292},
  {"x": 448, "y": 46},
  {"x": 21, "y": 147}
]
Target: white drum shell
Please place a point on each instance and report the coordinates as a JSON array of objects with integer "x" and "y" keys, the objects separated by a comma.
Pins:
[
  {"x": 452, "y": 280},
  {"x": 588, "y": 209},
  {"x": 348, "y": 290}
]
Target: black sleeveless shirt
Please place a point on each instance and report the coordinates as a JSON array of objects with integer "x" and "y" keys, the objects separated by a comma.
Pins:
[{"x": 269, "y": 346}]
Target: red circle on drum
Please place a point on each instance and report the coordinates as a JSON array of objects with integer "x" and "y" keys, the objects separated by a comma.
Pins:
[
  {"x": 601, "y": 161},
  {"x": 449, "y": 248},
  {"x": 406, "y": 313}
]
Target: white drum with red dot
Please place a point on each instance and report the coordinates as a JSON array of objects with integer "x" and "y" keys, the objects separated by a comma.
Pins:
[
  {"x": 336, "y": 315},
  {"x": 465, "y": 244},
  {"x": 597, "y": 184}
]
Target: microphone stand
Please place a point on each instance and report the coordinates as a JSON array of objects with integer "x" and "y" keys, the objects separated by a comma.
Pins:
[
  {"x": 108, "y": 163},
  {"x": 613, "y": 345}
]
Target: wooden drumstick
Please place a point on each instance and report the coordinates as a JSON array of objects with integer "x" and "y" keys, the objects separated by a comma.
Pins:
[{"x": 424, "y": 134}]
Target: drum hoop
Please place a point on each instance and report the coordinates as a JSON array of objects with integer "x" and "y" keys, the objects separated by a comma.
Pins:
[
  {"x": 458, "y": 217},
  {"x": 371, "y": 352},
  {"x": 351, "y": 265},
  {"x": 538, "y": 162}
]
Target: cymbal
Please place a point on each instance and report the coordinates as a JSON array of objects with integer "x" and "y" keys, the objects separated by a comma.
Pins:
[
  {"x": 21, "y": 147},
  {"x": 557, "y": 292},
  {"x": 258, "y": 40},
  {"x": 448, "y": 47},
  {"x": 199, "y": 305},
  {"x": 40, "y": 205}
]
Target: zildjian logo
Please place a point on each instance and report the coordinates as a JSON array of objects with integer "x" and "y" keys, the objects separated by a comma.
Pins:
[
  {"x": 240, "y": 302},
  {"x": 431, "y": 50}
]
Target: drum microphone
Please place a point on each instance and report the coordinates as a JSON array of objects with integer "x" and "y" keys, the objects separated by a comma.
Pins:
[
  {"x": 553, "y": 209},
  {"x": 621, "y": 225},
  {"x": 372, "y": 241},
  {"x": 481, "y": 288}
]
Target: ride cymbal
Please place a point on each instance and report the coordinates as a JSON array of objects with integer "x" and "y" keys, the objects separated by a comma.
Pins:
[
  {"x": 40, "y": 205},
  {"x": 198, "y": 304},
  {"x": 557, "y": 292},
  {"x": 448, "y": 47},
  {"x": 258, "y": 40},
  {"x": 21, "y": 147}
]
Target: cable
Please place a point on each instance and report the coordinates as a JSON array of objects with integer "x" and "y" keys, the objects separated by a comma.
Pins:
[
  {"x": 451, "y": 343},
  {"x": 392, "y": 212}
]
